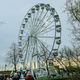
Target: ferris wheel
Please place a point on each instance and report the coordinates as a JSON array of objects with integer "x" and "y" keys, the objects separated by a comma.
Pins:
[{"x": 40, "y": 34}]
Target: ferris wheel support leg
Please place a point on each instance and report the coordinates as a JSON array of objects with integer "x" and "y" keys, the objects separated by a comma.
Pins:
[{"x": 31, "y": 66}]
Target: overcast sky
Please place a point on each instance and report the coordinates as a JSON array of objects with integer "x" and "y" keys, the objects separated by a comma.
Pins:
[{"x": 11, "y": 14}]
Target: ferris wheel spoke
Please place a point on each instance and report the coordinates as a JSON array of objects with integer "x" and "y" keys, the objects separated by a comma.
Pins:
[
  {"x": 44, "y": 28},
  {"x": 41, "y": 26},
  {"x": 44, "y": 22},
  {"x": 31, "y": 25},
  {"x": 45, "y": 36},
  {"x": 46, "y": 19},
  {"x": 26, "y": 44},
  {"x": 37, "y": 24},
  {"x": 33, "y": 49},
  {"x": 35, "y": 18},
  {"x": 28, "y": 25},
  {"x": 25, "y": 38},
  {"x": 42, "y": 44},
  {"x": 23, "y": 47},
  {"x": 32, "y": 19},
  {"x": 38, "y": 18},
  {"x": 47, "y": 26},
  {"x": 46, "y": 32},
  {"x": 37, "y": 49},
  {"x": 30, "y": 22},
  {"x": 36, "y": 46},
  {"x": 27, "y": 55},
  {"x": 44, "y": 52}
]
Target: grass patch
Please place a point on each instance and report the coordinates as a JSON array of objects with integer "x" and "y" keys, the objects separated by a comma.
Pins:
[
  {"x": 43, "y": 78},
  {"x": 47, "y": 78},
  {"x": 67, "y": 78}
]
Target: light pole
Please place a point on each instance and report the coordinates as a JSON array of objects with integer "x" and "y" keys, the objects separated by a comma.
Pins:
[
  {"x": 14, "y": 54},
  {"x": 5, "y": 67}
]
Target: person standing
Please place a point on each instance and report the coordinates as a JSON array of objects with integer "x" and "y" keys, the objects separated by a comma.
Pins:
[
  {"x": 29, "y": 76},
  {"x": 34, "y": 75},
  {"x": 15, "y": 77}
]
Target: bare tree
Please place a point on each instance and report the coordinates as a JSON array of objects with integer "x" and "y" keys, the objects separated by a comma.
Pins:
[
  {"x": 70, "y": 59},
  {"x": 73, "y": 10},
  {"x": 13, "y": 55}
]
